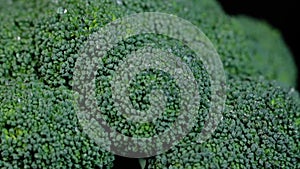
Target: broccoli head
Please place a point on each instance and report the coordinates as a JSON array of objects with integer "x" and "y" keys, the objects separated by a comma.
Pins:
[
  {"x": 260, "y": 129},
  {"x": 39, "y": 129},
  {"x": 40, "y": 42},
  {"x": 44, "y": 39},
  {"x": 269, "y": 51}
]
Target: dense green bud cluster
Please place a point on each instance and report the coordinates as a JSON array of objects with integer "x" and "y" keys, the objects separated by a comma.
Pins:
[
  {"x": 39, "y": 129},
  {"x": 61, "y": 33},
  {"x": 224, "y": 32},
  {"x": 40, "y": 42},
  {"x": 64, "y": 27},
  {"x": 260, "y": 129},
  {"x": 269, "y": 52},
  {"x": 246, "y": 46},
  {"x": 145, "y": 82},
  {"x": 16, "y": 40}
]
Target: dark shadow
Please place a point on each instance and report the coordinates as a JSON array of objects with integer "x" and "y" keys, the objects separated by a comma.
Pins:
[{"x": 126, "y": 163}]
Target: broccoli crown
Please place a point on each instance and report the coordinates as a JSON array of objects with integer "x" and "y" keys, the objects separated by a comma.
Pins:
[
  {"x": 260, "y": 129},
  {"x": 39, "y": 129},
  {"x": 144, "y": 83},
  {"x": 48, "y": 36},
  {"x": 40, "y": 43},
  {"x": 16, "y": 41},
  {"x": 271, "y": 54},
  {"x": 17, "y": 44},
  {"x": 61, "y": 35}
]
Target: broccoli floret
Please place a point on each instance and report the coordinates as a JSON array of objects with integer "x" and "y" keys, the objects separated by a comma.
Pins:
[
  {"x": 60, "y": 37},
  {"x": 143, "y": 84},
  {"x": 245, "y": 45},
  {"x": 39, "y": 129},
  {"x": 41, "y": 41},
  {"x": 17, "y": 45},
  {"x": 260, "y": 129},
  {"x": 269, "y": 51},
  {"x": 62, "y": 29}
]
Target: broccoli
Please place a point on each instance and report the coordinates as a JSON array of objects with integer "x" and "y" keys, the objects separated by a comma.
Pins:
[
  {"x": 260, "y": 129},
  {"x": 17, "y": 45},
  {"x": 268, "y": 46},
  {"x": 53, "y": 35},
  {"x": 40, "y": 43},
  {"x": 39, "y": 129}
]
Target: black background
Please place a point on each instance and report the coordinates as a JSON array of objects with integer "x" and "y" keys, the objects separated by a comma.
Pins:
[{"x": 280, "y": 14}]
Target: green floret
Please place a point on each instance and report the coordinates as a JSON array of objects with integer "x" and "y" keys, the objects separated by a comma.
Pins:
[
  {"x": 269, "y": 51},
  {"x": 40, "y": 42},
  {"x": 62, "y": 30},
  {"x": 39, "y": 129},
  {"x": 17, "y": 45},
  {"x": 60, "y": 35},
  {"x": 260, "y": 129},
  {"x": 144, "y": 83}
]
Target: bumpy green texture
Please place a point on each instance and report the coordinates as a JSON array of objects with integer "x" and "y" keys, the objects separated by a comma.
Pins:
[
  {"x": 43, "y": 39},
  {"x": 39, "y": 129},
  {"x": 17, "y": 44},
  {"x": 146, "y": 82},
  {"x": 269, "y": 51},
  {"x": 260, "y": 129},
  {"x": 40, "y": 42},
  {"x": 60, "y": 35},
  {"x": 16, "y": 41},
  {"x": 62, "y": 32}
]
